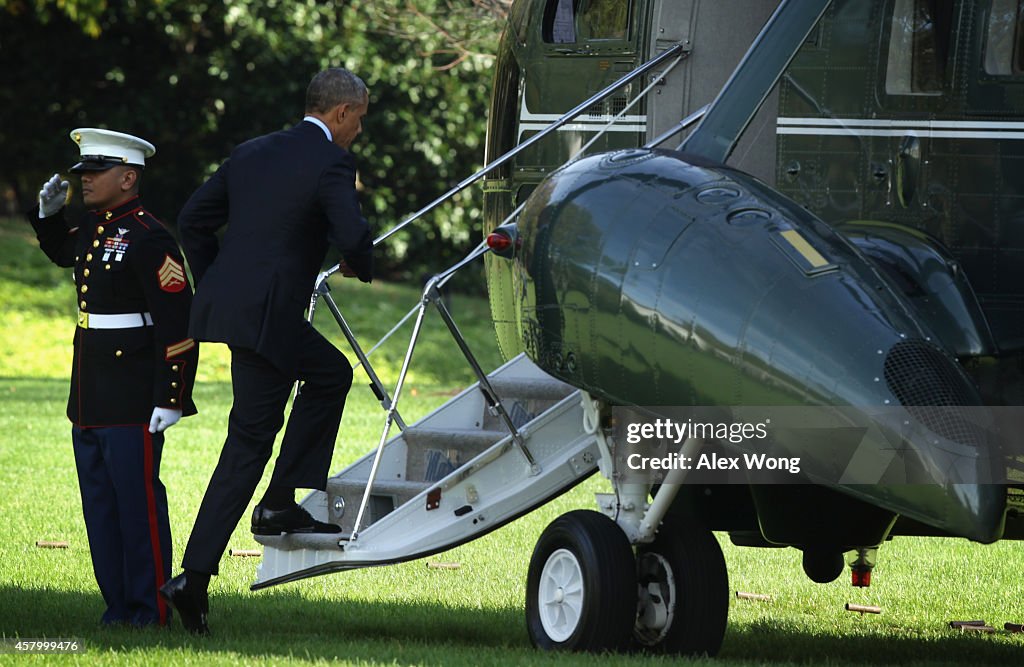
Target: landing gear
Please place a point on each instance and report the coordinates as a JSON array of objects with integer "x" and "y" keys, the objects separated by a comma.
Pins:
[
  {"x": 684, "y": 591},
  {"x": 586, "y": 591},
  {"x": 581, "y": 585}
]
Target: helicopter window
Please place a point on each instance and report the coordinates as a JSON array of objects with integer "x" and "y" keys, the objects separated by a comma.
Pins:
[
  {"x": 1004, "y": 42},
  {"x": 604, "y": 19},
  {"x": 524, "y": 192},
  {"x": 569, "y": 21},
  {"x": 560, "y": 21},
  {"x": 918, "y": 47}
]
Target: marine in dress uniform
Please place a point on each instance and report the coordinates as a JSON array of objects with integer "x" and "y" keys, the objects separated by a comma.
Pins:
[{"x": 133, "y": 370}]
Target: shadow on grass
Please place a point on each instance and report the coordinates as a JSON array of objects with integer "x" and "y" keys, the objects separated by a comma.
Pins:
[
  {"x": 285, "y": 623},
  {"x": 277, "y": 623},
  {"x": 769, "y": 644}
]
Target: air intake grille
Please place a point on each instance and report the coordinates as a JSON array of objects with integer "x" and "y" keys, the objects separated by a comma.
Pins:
[
  {"x": 932, "y": 388},
  {"x": 612, "y": 107},
  {"x": 920, "y": 374}
]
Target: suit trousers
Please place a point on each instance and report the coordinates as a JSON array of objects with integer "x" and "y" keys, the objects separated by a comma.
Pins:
[
  {"x": 125, "y": 509},
  {"x": 260, "y": 393}
]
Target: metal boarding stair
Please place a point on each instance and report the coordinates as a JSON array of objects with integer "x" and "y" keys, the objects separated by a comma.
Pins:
[
  {"x": 504, "y": 446},
  {"x": 447, "y": 479}
]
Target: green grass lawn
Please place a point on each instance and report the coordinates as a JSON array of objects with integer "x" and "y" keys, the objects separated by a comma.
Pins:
[{"x": 409, "y": 614}]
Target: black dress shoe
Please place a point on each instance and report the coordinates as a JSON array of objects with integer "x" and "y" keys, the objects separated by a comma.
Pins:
[
  {"x": 292, "y": 520},
  {"x": 190, "y": 601}
]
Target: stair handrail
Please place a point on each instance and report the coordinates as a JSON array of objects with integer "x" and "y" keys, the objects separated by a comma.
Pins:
[
  {"x": 676, "y": 49},
  {"x": 678, "y": 127},
  {"x": 322, "y": 289},
  {"x": 657, "y": 81},
  {"x": 429, "y": 296}
]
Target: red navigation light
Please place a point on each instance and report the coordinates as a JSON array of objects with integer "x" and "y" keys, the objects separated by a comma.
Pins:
[
  {"x": 498, "y": 242},
  {"x": 861, "y": 577}
]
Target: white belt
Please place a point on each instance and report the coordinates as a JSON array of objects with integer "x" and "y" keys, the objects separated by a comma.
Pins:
[{"x": 119, "y": 321}]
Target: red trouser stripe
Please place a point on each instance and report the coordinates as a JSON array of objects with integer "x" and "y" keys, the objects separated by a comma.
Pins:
[
  {"x": 154, "y": 528},
  {"x": 78, "y": 336}
]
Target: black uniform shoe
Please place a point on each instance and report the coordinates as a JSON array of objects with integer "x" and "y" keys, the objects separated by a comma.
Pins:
[
  {"x": 190, "y": 601},
  {"x": 292, "y": 520}
]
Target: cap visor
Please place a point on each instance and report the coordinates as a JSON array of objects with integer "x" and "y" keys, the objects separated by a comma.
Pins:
[{"x": 92, "y": 166}]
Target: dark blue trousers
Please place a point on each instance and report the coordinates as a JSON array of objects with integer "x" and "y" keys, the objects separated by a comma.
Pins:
[
  {"x": 125, "y": 508},
  {"x": 260, "y": 393}
]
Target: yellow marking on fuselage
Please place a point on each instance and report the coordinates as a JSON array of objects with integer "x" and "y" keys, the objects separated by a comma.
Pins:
[{"x": 801, "y": 245}]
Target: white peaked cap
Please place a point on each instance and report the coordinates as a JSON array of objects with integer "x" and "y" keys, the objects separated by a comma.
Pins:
[{"x": 103, "y": 149}]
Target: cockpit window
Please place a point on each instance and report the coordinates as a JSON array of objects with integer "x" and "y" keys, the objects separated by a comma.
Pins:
[
  {"x": 918, "y": 47},
  {"x": 1004, "y": 38},
  {"x": 571, "y": 21},
  {"x": 604, "y": 19}
]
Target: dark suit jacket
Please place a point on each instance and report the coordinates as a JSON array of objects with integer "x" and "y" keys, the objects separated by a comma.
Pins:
[{"x": 284, "y": 197}]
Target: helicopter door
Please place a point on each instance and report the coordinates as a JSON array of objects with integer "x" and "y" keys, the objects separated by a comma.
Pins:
[
  {"x": 578, "y": 48},
  {"x": 916, "y": 70}
]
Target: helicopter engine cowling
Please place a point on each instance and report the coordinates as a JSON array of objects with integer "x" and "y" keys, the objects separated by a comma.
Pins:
[{"x": 654, "y": 278}]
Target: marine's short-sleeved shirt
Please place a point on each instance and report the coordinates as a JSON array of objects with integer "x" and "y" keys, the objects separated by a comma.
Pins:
[{"x": 125, "y": 261}]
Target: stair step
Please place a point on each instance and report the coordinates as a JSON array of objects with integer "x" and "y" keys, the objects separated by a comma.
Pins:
[
  {"x": 415, "y": 461},
  {"x": 434, "y": 453},
  {"x": 295, "y": 541},
  {"x": 401, "y": 487},
  {"x": 386, "y": 496},
  {"x": 455, "y": 438},
  {"x": 548, "y": 389}
]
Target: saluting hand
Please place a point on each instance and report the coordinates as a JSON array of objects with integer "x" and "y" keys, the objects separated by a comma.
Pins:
[
  {"x": 52, "y": 196},
  {"x": 162, "y": 419}
]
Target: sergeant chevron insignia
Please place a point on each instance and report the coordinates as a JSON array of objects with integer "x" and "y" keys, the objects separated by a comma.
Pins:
[
  {"x": 171, "y": 275},
  {"x": 179, "y": 348}
]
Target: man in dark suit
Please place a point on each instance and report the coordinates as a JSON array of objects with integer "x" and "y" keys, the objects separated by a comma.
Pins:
[
  {"x": 133, "y": 369},
  {"x": 284, "y": 197}
]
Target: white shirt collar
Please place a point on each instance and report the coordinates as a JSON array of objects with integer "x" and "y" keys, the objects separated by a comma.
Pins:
[{"x": 320, "y": 124}]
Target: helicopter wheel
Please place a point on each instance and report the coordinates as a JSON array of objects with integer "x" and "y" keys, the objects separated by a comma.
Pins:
[
  {"x": 581, "y": 585},
  {"x": 684, "y": 591}
]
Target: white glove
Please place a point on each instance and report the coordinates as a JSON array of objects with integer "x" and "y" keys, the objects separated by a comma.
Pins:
[
  {"x": 162, "y": 419},
  {"x": 52, "y": 196}
]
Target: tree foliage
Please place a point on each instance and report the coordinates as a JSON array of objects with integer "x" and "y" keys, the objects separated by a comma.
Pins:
[{"x": 196, "y": 77}]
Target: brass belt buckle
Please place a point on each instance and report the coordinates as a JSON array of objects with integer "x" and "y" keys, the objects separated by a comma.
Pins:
[{"x": 83, "y": 320}]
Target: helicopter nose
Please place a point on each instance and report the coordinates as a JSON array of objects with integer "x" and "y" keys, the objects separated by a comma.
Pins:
[{"x": 648, "y": 279}]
